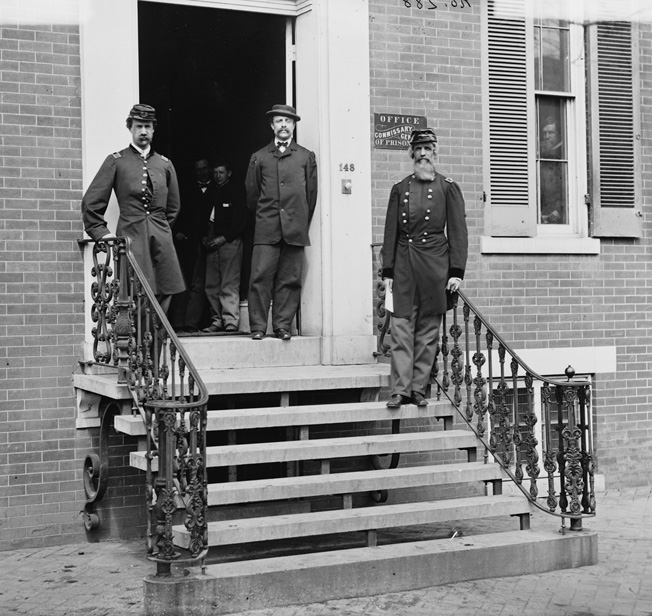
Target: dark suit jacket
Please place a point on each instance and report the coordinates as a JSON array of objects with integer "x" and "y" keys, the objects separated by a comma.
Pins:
[
  {"x": 230, "y": 212},
  {"x": 282, "y": 191},
  {"x": 196, "y": 206}
]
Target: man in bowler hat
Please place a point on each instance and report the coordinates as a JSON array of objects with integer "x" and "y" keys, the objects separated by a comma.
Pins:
[
  {"x": 281, "y": 188},
  {"x": 145, "y": 184},
  {"x": 424, "y": 255}
]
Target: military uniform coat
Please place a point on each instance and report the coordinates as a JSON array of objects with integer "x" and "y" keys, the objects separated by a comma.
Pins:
[
  {"x": 148, "y": 198},
  {"x": 425, "y": 243},
  {"x": 282, "y": 191}
]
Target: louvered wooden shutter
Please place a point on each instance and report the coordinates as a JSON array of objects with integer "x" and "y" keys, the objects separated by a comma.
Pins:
[
  {"x": 614, "y": 108},
  {"x": 511, "y": 180}
]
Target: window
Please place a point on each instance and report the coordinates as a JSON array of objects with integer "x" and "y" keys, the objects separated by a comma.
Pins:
[
  {"x": 560, "y": 109},
  {"x": 554, "y": 98}
]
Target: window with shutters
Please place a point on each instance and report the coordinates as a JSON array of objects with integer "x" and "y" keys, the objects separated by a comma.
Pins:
[{"x": 560, "y": 122}]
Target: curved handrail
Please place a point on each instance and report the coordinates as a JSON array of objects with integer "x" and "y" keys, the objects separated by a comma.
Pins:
[
  {"x": 574, "y": 457},
  {"x": 565, "y": 409},
  {"x": 133, "y": 333}
]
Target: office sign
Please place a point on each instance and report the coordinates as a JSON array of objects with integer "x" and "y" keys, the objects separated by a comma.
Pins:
[{"x": 392, "y": 130}]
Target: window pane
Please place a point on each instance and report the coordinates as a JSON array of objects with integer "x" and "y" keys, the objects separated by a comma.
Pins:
[
  {"x": 553, "y": 192},
  {"x": 552, "y": 162},
  {"x": 551, "y": 14},
  {"x": 554, "y": 60}
]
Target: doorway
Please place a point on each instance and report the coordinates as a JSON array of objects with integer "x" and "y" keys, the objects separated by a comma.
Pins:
[{"x": 211, "y": 74}]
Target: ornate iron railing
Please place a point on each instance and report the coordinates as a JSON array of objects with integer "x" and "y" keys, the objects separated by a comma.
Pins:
[
  {"x": 493, "y": 390},
  {"x": 131, "y": 332}
]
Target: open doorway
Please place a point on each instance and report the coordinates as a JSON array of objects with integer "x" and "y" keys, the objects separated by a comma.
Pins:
[{"x": 211, "y": 74}]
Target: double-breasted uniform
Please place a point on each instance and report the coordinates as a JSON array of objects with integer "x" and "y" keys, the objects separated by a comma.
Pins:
[
  {"x": 148, "y": 198},
  {"x": 282, "y": 191},
  {"x": 425, "y": 244}
]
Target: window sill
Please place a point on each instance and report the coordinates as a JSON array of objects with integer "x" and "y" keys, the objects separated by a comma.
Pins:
[{"x": 540, "y": 245}]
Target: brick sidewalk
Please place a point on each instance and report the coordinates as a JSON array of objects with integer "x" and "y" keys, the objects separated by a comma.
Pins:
[{"x": 105, "y": 579}]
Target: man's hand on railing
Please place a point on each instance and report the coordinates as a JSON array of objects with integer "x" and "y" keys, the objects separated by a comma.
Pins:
[
  {"x": 109, "y": 236},
  {"x": 453, "y": 284}
]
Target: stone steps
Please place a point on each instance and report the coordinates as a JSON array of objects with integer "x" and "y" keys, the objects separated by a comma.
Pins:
[
  {"x": 236, "y": 352},
  {"x": 327, "y": 448},
  {"x": 231, "y": 587},
  {"x": 283, "y": 488},
  {"x": 251, "y": 530},
  {"x": 272, "y": 379},
  {"x": 304, "y": 415}
]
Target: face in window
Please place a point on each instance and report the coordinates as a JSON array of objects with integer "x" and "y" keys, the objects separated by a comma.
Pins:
[{"x": 551, "y": 145}]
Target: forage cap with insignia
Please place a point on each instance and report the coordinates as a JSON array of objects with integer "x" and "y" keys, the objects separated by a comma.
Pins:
[
  {"x": 422, "y": 135},
  {"x": 144, "y": 113}
]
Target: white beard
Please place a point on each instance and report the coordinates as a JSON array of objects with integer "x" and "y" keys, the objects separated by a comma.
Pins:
[{"x": 424, "y": 170}]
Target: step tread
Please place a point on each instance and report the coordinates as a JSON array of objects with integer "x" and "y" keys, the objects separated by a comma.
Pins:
[
  {"x": 349, "y": 482},
  {"x": 300, "y": 415},
  {"x": 249, "y": 530},
  {"x": 329, "y": 448},
  {"x": 272, "y": 379},
  {"x": 295, "y": 378}
]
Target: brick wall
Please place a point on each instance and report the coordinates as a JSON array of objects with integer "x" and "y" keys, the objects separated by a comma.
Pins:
[
  {"x": 429, "y": 63},
  {"x": 41, "y": 296}
]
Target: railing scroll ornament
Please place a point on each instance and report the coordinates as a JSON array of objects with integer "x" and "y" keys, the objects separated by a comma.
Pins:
[
  {"x": 494, "y": 391},
  {"x": 131, "y": 332}
]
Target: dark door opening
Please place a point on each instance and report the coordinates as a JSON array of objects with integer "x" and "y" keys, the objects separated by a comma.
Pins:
[{"x": 211, "y": 74}]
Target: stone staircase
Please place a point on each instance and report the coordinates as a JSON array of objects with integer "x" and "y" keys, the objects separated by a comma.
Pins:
[{"x": 301, "y": 471}]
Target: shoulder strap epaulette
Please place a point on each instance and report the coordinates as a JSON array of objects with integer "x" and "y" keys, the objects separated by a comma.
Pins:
[
  {"x": 450, "y": 180},
  {"x": 116, "y": 155},
  {"x": 165, "y": 158}
]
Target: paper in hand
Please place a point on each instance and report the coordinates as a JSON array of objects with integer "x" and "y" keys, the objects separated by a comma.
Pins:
[{"x": 389, "y": 299}]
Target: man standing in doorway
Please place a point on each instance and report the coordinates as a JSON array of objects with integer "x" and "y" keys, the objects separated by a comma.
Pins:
[
  {"x": 189, "y": 229},
  {"x": 281, "y": 188},
  {"x": 223, "y": 246},
  {"x": 424, "y": 255},
  {"x": 145, "y": 184}
]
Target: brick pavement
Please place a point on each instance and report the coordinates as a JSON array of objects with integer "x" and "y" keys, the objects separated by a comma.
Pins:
[{"x": 106, "y": 579}]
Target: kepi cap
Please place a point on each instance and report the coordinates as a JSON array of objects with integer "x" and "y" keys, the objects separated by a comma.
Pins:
[
  {"x": 422, "y": 135},
  {"x": 144, "y": 113},
  {"x": 283, "y": 110}
]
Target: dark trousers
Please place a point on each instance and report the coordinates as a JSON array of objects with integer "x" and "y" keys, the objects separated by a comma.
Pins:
[
  {"x": 276, "y": 271},
  {"x": 413, "y": 345}
]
